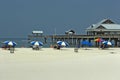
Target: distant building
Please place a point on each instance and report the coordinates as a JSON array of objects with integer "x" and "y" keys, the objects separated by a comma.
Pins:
[
  {"x": 70, "y": 32},
  {"x": 104, "y": 27},
  {"x": 37, "y": 33}
]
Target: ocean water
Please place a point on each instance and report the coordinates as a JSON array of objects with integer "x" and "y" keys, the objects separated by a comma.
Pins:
[{"x": 23, "y": 42}]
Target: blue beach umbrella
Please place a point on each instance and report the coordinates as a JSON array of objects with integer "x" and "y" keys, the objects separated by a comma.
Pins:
[
  {"x": 86, "y": 43},
  {"x": 37, "y": 43},
  {"x": 10, "y": 43},
  {"x": 62, "y": 43},
  {"x": 107, "y": 43}
]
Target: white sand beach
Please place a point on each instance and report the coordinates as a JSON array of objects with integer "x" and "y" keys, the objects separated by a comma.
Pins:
[{"x": 64, "y": 64}]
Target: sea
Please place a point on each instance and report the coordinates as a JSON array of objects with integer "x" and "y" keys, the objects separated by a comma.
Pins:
[{"x": 23, "y": 42}]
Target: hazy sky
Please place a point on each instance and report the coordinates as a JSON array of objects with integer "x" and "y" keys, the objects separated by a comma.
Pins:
[{"x": 19, "y": 17}]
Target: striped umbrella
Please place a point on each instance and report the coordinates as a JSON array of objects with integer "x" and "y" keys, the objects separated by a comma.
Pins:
[
  {"x": 99, "y": 40},
  {"x": 10, "y": 43},
  {"x": 107, "y": 43},
  {"x": 62, "y": 43},
  {"x": 37, "y": 43}
]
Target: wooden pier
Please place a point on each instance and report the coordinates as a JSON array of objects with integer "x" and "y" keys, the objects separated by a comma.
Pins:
[
  {"x": 76, "y": 39},
  {"x": 105, "y": 29}
]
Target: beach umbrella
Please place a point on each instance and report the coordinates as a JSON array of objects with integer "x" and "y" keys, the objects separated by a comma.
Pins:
[
  {"x": 37, "y": 43},
  {"x": 62, "y": 43},
  {"x": 10, "y": 43},
  {"x": 107, "y": 43},
  {"x": 99, "y": 40},
  {"x": 86, "y": 43}
]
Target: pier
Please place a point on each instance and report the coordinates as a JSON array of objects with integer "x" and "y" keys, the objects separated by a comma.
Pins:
[
  {"x": 105, "y": 29},
  {"x": 74, "y": 40}
]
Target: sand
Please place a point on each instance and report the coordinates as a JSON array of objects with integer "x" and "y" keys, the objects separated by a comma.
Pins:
[{"x": 64, "y": 64}]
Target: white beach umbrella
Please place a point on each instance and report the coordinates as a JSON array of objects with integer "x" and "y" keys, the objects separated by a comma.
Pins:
[
  {"x": 62, "y": 43},
  {"x": 10, "y": 43},
  {"x": 107, "y": 43},
  {"x": 37, "y": 43}
]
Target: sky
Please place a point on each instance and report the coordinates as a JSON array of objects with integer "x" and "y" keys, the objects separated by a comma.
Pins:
[{"x": 18, "y": 18}]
